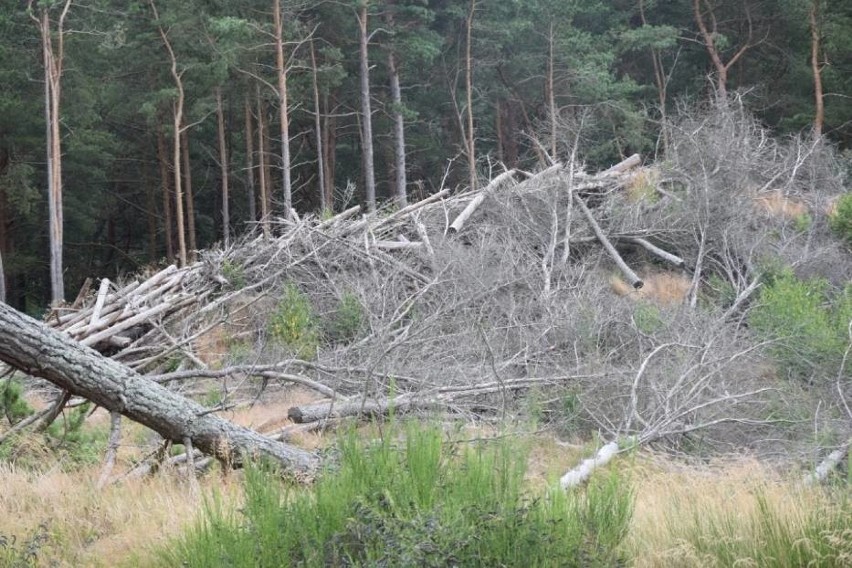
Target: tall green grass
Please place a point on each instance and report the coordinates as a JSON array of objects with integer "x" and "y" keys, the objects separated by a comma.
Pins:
[{"x": 415, "y": 500}]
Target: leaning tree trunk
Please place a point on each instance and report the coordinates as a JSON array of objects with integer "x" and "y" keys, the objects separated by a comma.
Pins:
[{"x": 35, "y": 349}]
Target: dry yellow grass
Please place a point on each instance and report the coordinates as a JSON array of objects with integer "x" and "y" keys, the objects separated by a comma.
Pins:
[
  {"x": 778, "y": 205},
  {"x": 661, "y": 288},
  {"x": 92, "y": 527},
  {"x": 670, "y": 498},
  {"x": 87, "y": 526}
]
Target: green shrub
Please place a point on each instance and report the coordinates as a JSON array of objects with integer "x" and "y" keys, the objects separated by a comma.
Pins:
[
  {"x": 15, "y": 408},
  {"x": 648, "y": 318},
  {"x": 841, "y": 219},
  {"x": 22, "y": 553},
  {"x": 293, "y": 323},
  {"x": 69, "y": 436},
  {"x": 810, "y": 326},
  {"x": 426, "y": 503},
  {"x": 347, "y": 320},
  {"x": 234, "y": 274}
]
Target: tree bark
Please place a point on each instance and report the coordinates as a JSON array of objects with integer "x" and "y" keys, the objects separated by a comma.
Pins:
[
  {"x": 551, "y": 95},
  {"x": 223, "y": 168},
  {"x": 263, "y": 167},
  {"x": 177, "y": 123},
  {"x": 366, "y": 112},
  {"x": 324, "y": 203},
  {"x": 35, "y": 349},
  {"x": 819, "y": 105},
  {"x": 190, "y": 198},
  {"x": 252, "y": 201},
  {"x": 283, "y": 110},
  {"x": 471, "y": 149},
  {"x": 709, "y": 35},
  {"x": 53, "y": 58},
  {"x": 2, "y": 280},
  {"x": 399, "y": 132},
  {"x": 329, "y": 145},
  {"x": 167, "y": 193}
]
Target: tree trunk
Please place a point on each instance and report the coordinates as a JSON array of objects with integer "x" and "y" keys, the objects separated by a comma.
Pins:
[
  {"x": 151, "y": 206},
  {"x": 329, "y": 145},
  {"x": 252, "y": 200},
  {"x": 4, "y": 214},
  {"x": 819, "y": 114},
  {"x": 33, "y": 348},
  {"x": 283, "y": 111},
  {"x": 551, "y": 95},
  {"x": 53, "y": 58},
  {"x": 263, "y": 168},
  {"x": 177, "y": 124},
  {"x": 709, "y": 35},
  {"x": 190, "y": 199},
  {"x": 223, "y": 168},
  {"x": 366, "y": 112},
  {"x": 167, "y": 193},
  {"x": 324, "y": 203},
  {"x": 399, "y": 133},
  {"x": 2, "y": 280},
  {"x": 471, "y": 150}
]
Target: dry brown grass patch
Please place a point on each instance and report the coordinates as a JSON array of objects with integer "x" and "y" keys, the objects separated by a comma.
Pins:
[
  {"x": 778, "y": 205},
  {"x": 661, "y": 288},
  {"x": 91, "y": 527},
  {"x": 669, "y": 498}
]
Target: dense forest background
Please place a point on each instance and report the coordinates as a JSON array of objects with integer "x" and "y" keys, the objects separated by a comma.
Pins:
[{"x": 165, "y": 111}]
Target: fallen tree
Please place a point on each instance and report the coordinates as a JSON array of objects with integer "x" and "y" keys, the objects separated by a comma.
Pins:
[{"x": 33, "y": 348}]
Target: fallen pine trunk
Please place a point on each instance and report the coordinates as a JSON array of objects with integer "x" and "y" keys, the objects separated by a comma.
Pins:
[{"x": 35, "y": 349}]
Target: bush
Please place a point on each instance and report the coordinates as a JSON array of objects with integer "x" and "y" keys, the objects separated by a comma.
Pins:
[
  {"x": 12, "y": 402},
  {"x": 293, "y": 323},
  {"x": 347, "y": 320},
  {"x": 426, "y": 503},
  {"x": 841, "y": 218},
  {"x": 811, "y": 327}
]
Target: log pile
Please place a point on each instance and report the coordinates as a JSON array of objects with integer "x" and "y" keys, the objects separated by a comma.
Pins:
[
  {"x": 129, "y": 321},
  {"x": 147, "y": 323}
]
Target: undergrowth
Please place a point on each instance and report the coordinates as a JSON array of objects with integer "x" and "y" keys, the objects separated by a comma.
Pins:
[{"x": 417, "y": 501}]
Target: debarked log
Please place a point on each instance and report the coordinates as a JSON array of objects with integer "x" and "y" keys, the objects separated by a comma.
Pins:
[{"x": 35, "y": 349}]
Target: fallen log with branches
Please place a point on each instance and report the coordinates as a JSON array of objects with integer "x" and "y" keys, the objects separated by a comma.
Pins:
[{"x": 32, "y": 348}]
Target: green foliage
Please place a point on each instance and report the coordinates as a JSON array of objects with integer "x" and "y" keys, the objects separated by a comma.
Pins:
[
  {"x": 802, "y": 223},
  {"x": 294, "y": 325},
  {"x": 347, "y": 321},
  {"x": 841, "y": 219},
  {"x": 69, "y": 436},
  {"x": 234, "y": 274},
  {"x": 648, "y": 318},
  {"x": 12, "y": 402},
  {"x": 809, "y": 325},
  {"x": 15, "y": 553},
  {"x": 769, "y": 538},
  {"x": 422, "y": 502}
]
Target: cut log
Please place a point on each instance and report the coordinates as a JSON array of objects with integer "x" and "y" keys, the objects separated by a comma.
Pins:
[
  {"x": 632, "y": 278},
  {"x": 624, "y": 165},
  {"x": 477, "y": 201},
  {"x": 825, "y": 467},
  {"x": 35, "y": 349},
  {"x": 583, "y": 471},
  {"x": 655, "y": 250}
]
